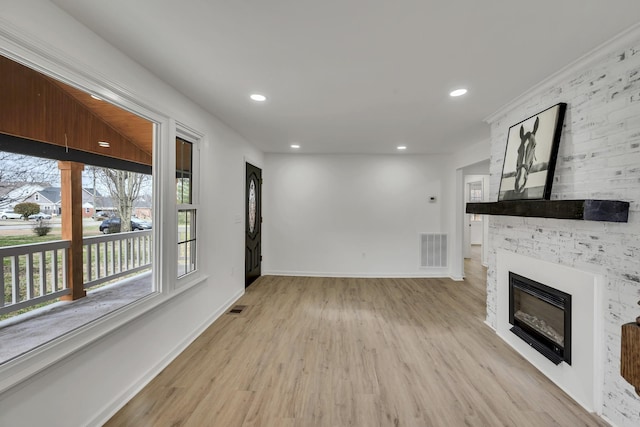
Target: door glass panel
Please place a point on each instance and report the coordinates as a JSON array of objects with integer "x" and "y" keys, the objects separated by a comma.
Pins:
[{"x": 252, "y": 206}]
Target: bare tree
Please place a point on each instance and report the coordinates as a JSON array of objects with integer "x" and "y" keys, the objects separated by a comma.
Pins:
[
  {"x": 20, "y": 174},
  {"x": 124, "y": 189}
]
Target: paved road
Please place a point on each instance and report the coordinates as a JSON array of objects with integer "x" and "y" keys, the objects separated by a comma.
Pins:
[
  {"x": 19, "y": 224},
  {"x": 15, "y": 227}
]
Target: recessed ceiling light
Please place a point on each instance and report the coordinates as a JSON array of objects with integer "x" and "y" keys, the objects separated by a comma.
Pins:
[
  {"x": 458, "y": 92},
  {"x": 295, "y": 146},
  {"x": 104, "y": 144},
  {"x": 96, "y": 98},
  {"x": 257, "y": 97},
  {"x": 401, "y": 147}
]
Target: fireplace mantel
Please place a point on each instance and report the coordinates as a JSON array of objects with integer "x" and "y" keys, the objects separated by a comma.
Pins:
[{"x": 586, "y": 209}]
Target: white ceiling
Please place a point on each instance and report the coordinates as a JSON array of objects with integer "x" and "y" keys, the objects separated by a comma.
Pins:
[{"x": 355, "y": 76}]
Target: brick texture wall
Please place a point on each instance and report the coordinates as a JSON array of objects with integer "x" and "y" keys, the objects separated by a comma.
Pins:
[{"x": 599, "y": 158}]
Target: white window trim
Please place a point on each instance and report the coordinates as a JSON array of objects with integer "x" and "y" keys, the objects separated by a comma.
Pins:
[
  {"x": 193, "y": 136},
  {"x": 46, "y": 59}
]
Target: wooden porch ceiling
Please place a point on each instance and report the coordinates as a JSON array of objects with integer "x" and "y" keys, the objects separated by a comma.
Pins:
[
  {"x": 136, "y": 129},
  {"x": 37, "y": 107}
]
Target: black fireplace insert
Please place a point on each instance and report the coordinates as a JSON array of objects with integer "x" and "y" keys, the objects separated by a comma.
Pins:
[{"x": 541, "y": 316}]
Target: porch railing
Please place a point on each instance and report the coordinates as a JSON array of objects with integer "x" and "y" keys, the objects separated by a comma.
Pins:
[
  {"x": 35, "y": 273},
  {"x": 115, "y": 255}
]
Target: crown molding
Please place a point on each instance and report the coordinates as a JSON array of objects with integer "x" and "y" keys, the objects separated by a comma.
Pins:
[{"x": 621, "y": 41}]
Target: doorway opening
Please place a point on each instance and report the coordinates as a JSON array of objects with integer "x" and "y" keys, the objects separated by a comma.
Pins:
[{"x": 474, "y": 228}]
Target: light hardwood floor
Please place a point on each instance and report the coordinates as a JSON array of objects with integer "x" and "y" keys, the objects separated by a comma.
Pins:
[{"x": 354, "y": 352}]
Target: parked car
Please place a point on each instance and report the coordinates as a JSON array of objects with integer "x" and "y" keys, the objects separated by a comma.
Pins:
[
  {"x": 40, "y": 215},
  {"x": 101, "y": 215},
  {"x": 138, "y": 224},
  {"x": 10, "y": 214},
  {"x": 112, "y": 225}
]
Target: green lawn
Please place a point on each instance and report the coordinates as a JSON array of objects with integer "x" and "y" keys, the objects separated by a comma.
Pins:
[
  {"x": 26, "y": 239},
  {"x": 27, "y": 236}
]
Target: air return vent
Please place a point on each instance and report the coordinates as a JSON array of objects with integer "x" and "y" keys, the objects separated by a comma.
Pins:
[{"x": 433, "y": 250}]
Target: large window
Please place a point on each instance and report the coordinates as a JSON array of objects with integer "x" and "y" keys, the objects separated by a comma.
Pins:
[
  {"x": 66, "y": 268},
  {"x": 187, "y": 208}
]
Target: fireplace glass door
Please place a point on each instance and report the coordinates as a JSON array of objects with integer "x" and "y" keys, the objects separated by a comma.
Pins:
[{"x": 541, "y": 315}]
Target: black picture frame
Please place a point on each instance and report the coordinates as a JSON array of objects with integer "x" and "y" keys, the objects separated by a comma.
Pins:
[{"x": 530, "y": 156}]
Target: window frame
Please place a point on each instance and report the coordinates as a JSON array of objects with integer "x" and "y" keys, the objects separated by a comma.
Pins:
[
  {"x": 19, "y": 46},
  {"x": 195, "y": 138}
]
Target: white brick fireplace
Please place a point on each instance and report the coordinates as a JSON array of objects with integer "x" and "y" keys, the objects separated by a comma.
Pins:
[{"x": 599, "y": 158}]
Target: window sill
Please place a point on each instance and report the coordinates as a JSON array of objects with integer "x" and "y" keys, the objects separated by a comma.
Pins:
[
  {"x": 188, "y": 281},
  {"x": 15, "y": 371}
]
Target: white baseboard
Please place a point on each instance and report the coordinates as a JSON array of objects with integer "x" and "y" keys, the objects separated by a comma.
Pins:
[
  {"x": 119, "y": 401},
  {"x": 426, "y": 275}
]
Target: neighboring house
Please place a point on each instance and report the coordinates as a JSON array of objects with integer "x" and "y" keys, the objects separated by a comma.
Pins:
[
  {"x": 50, "y": 199},
  {"x": 13, "y": 193},
  {"x": 92, "y": 201},
  {"x": 104, "y": 204},
  {"x": 142, "y": 207}
]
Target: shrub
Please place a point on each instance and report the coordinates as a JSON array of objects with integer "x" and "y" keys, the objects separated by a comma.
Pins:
[
  {"x": 27, "y": 208},
  {"x": 41, "y": 228}
]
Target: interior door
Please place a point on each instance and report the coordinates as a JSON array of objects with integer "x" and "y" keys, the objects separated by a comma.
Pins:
[{"x": 253, "y": 227}]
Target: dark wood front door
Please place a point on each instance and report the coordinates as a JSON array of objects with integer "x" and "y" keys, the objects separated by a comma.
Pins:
[{"x": 253, "y": 221}]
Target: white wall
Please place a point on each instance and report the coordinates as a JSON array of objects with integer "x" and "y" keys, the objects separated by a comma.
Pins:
[
  {"x": 90, "y": 384},
  {"x": 599, "y": 158},
  {"x": 353, "y": 215},
  {"x": 473, "y": 157}
]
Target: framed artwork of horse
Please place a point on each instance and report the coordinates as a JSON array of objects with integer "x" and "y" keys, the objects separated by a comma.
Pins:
[{"x": 530, "y": 156}]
